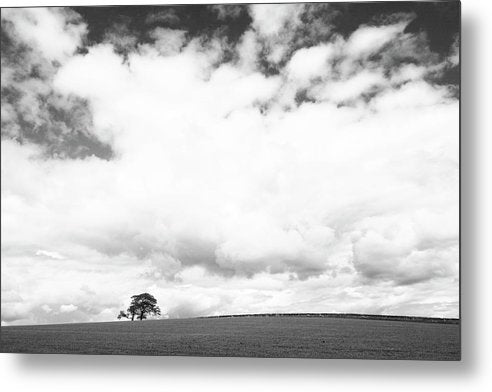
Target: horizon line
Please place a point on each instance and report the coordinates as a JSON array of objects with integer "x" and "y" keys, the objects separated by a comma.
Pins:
[{"x": 367, "y": 316}]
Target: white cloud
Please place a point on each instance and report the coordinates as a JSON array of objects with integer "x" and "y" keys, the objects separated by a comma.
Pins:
[
  {"x": 409, "y": 72},
  {"x": 46, "y": 308},
  {"x": 367, "y": 40},
  {"x": 408, "y": 249},
  {"x": 55, "y": 32},
  {"x": 248, "y": 50},
  {"x": 168, "y": 41},
  {"x": 454, "y": 56},
  {"x": 52, "y": 255},
  {"x": 272, "y": 19},
  {"x": 416, "y": 94},
  {"x": 275, "y": 25},
  {"x": 68, "y": 308},
  {"x": 308, "y": 63},
  {"x": 351, "y": 88}
]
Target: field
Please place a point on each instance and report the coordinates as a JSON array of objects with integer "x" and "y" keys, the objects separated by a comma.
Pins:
[{"x": 302, "y": 337}]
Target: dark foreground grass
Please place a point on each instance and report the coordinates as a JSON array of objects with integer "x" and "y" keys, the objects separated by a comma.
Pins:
[{"x": 301, "y": 337}]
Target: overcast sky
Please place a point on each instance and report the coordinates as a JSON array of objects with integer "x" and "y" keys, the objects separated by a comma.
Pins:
[{"x": 230, "y": 159}]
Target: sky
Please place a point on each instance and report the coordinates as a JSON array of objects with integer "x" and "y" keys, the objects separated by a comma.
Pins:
[{"x": 230, "y": 160}]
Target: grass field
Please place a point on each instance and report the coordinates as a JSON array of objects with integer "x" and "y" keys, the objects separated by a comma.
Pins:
[{"x": 302, "y": 337}]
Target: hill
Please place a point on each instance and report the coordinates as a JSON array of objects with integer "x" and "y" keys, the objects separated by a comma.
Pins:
[{"x": 284, "y": 336}]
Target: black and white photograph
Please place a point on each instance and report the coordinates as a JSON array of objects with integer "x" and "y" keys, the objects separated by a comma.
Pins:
[{"x": 232, "y": 180}]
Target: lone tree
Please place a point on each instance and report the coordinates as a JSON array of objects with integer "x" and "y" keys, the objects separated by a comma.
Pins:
[{"x": 141, "y": 306}]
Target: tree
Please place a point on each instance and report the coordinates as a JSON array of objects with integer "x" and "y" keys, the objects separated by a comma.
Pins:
[
  {"x": 122, "y": 314},
  {"x": 141, "y": 306},
  {"x": 132, "y": 311}
]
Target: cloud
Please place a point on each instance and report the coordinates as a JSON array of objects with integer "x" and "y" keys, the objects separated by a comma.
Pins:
[
  {"x": 53, "y": 255},
  {"x": 46, "y": 308},
  {"x": 273, "y": 19},
  {"x": 308, "y": 63},
  {"x": 55, "y": 32},
  {"x": 275, "y": 25},
  {"x": 368, "y": 40},
  {"x": 394, "y": 248},
  {"x": 68, "y": 308},
  {"x": 35, "y": 43},
  {"x": 328, "y": 185},
  {"x": 411, "y": 95},
  {"x": 408, "y": 72},
  {"x": 168, "y": 41},
  {"x": 352, "y": 88},
  {"x": 121, "y": 37},
  {"x": 248, "y": 52}
]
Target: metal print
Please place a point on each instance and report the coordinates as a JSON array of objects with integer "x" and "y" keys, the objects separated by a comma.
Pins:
[{"x": 264, "y": 180}]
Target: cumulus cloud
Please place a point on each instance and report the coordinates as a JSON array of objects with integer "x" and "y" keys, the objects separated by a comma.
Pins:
[
  {"x": 35, "y": 43},
  {"x": 121, "y": 37},
  {"x": 275, "y": 25},
  {"x": 46, "y": 308},
  {"x": 68, "y": 308},
  {"x": 56, "y": 32},
  {"x": 308, "y": 63},
  {"x": 329, "y": 185},
  {"x": 369, "y": 39},
  {"x": 168, "y": 41},
  {"x": 273, "y": 19},
  {"x": 351, "y": 88},
  {"x": 53, "y": 255}
]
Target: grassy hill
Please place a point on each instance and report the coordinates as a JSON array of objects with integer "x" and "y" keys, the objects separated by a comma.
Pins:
[{"x": 292, "y": 335}]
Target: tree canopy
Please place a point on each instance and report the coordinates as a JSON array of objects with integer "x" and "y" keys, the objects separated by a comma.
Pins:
[{"x": 141, "y": 306}]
